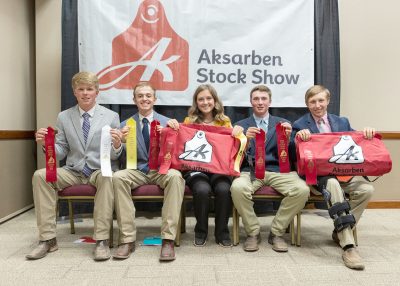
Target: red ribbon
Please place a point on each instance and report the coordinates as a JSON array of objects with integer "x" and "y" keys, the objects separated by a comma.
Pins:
[
  {"x": 167, "y": 156},
  {"x": 154, "y": 145},
  {"x": 310, "y": 168},
  {"x": 259, "y": 164},
  {"x": 283, "y": 152},
  {"x": 51, "y": 166}
]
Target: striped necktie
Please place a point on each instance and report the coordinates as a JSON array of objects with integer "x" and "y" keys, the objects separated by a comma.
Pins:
[
  {"x": 85, "y": 130},
  {"x": 85, "y": 126}
]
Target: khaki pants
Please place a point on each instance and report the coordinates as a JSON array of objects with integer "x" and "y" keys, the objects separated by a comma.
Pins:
[
  {"x": 359, "y": 192},
  {"x": 290, "y": 185},
  {"x": 173, "y": 185},
  {"x": 45, "y": 198}
]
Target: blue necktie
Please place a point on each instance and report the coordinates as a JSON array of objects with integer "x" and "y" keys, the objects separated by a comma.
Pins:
[
  {"x": 146, "y": 133},
  {"x": 263, "y": 125},
  {"x": 85, "y": 130}
]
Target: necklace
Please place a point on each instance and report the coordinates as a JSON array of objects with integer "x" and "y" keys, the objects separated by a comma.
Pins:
[{"x": 208, "y": 122}]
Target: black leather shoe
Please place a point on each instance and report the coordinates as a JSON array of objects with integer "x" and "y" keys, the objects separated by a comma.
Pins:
[{"x": 199, "y": 241}]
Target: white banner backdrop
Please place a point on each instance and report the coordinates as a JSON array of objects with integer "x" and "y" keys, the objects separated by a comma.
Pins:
[{"x": 179, "y": 44}]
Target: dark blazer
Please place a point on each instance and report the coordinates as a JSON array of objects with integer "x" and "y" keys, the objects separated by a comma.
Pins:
[
  {"x": 271, "y": 148},
  {"x": 142, "y": 154},
  {"x": 338, "y": 124}
]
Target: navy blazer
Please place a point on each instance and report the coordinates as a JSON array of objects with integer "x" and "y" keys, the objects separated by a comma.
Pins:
[
  {"x": 142, "y": 154},
  {"x": 337, "y": 123},
  {"x": 271, "y": 148}
]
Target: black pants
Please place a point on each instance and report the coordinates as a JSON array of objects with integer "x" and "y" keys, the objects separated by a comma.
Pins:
[{"x": 202, "y": 186}]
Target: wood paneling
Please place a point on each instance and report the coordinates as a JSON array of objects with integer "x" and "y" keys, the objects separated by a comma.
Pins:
[{"x": 17, "y": 135}]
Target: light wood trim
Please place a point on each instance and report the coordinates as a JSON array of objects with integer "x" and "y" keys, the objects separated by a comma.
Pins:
[
  {"x": 389, "y": 135},
  {"x": 384, "y": 205},
  {"x": 17, "y": 134}
]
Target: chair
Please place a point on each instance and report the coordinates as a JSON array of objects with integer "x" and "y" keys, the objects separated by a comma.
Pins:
[
  {"x": 265, "y": 193},
  {"x": 86, "y": 193},
  {"x": 79, "y": 193},
  {"x": 153, "y": 193}
]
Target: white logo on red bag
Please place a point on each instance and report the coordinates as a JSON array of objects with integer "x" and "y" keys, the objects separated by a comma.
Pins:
[
  {"x": 149, "y": 50},
  {"x": 346, "y": 151},
  {"x": 197, "y": 149}
]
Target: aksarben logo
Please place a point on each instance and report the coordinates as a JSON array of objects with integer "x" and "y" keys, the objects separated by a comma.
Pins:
[
  {"x": 149, "y": 50},
  {"x": 346, "y": 151}
]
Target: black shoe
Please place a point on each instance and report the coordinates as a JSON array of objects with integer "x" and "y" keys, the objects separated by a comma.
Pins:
[
  {"x": 227, "y": 242},
  {"x": 199, "y": 241}
]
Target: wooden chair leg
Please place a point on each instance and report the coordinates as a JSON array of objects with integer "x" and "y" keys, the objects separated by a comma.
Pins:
[
  {"x": 178, "y": 233},
  {"x": 235, "y": 226},
  {"x": 71, "y": 216},
  {"x": 183, "y": 217},
  {"x": 111, "y": 239},
  {"x": 292, "y": 233},
  {"x": 355, "y": 235},
  {"x": 298, "y": 243}
]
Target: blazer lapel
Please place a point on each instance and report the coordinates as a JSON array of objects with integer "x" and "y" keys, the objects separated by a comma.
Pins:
[
  {"x": 95, "y": 124},
  {"x": 311, "y": 124},
  {"x": 333, "y": 123},
  {"x": 139, "y": 136},
  {"x": 75, "y": 119},
  {"x": 271, "y": 129}
]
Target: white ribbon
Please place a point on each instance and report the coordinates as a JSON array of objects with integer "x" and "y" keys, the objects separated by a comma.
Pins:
[{"x": 105, "y": 151}]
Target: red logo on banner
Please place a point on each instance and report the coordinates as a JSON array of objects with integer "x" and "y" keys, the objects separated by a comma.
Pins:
[{"x": 149, "y": 50}]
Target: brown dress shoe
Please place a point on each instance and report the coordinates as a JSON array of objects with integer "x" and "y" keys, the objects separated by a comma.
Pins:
[
  {"x": 124, "y": 250},
  {"x": 278, "y": 243},
  {"x": 102, "y": 250},
  {"x": 352, "y": 259},
  {"x": 43, "y": 248},
  {"x": 251, "y": 243},
  {"x": 167, "y": 250}
]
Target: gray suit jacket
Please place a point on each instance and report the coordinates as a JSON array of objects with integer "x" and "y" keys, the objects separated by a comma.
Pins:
[
  {"x": 70, "y": 142},
  {"x": 142, "y": 154}
]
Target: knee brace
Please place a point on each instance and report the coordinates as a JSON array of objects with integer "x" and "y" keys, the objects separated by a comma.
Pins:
[{"x": 342, "y": 218}]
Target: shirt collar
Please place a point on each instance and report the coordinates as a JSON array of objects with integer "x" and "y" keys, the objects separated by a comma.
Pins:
[
  {"x": 90, "y": 111},
  {"x": 149, "y": 117},
  {"x": 258, "y": 119},
  {"x": 325, "y": 118}
]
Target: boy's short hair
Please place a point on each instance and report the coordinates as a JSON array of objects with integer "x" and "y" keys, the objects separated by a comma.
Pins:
[
  {"x": 142, "y": 84},
  {"x": 85, "y": 78},
  {"x": 262, "y": 88},
  {"x": 315, "y": 89}
]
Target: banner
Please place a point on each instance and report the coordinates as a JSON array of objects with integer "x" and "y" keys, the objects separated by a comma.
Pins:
[
  {"x": 180, "y": 44},
  {"x": 341, "y": 154},
  {"x": 201, "y": 148}
]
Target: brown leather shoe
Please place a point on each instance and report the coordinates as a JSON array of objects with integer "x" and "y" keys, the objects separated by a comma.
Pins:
[
  {"x": 43, "y": 248},
  {"x": 352, "y": 259},
  {"x": 277, "y": 242},
  {"x": 124, "y": 250},
  {"x": 102, "y": 250},
  {"x": 167, "y": 250},
  {"x": 335, "y": 238},
  {"x": 251, "y": 243}
]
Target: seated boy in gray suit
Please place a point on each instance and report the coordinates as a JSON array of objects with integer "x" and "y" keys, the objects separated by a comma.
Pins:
[
  {"x": 78, "y": 140},
  {"x": 125, "y": 180}
]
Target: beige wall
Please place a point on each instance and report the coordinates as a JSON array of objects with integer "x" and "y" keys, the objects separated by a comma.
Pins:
[
  {"x": 17, "y": 72},
  {"x": 370, "y": 61},
  {"x": 17, "y": 105}
]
